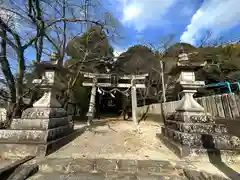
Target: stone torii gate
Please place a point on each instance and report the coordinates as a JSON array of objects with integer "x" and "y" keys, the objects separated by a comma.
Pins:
[{"x": 113, "y": 81}]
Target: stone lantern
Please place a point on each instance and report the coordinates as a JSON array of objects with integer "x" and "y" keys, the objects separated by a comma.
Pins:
[
  {"x": 186, "y": 70},
  {"x": 44, "y": 126},
  {"x": 190, "y": 131}
]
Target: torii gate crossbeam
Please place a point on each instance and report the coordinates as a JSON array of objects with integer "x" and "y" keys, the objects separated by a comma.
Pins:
[{"x": 94, "y": 84}]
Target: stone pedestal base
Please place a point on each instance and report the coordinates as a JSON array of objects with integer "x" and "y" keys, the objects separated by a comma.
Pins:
[
  {"x": 39, "y": 136},
  {"x": 35, "y": 148},
  {"x": 195, "y": 136},
  {"x": 39, "y": 130},
  {"x": 199, "y": 154}
]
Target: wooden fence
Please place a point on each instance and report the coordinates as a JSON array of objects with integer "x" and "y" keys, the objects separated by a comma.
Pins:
[{"x": 220, "y": 106}]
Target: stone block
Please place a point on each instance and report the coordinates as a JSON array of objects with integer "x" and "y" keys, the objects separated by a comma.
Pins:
[
  {"x": 218, "y": 141},
  {"x": 155, "y": 167},
  {"x": 226, "y": 141},
  {"x": 73, "y": 176},
  {"x": 39, "y": 124},
  {"x": 67, "y": 165},
  {"x": 103, "y": 165},
  {"x": 129, "y": 166},
  {"x": 120, "y": 176},
  {"x": 196, "y": 127},
  {"x": 22, "y": 149},
  {"x": 36, "y": 113},
  {"x": 38, "y": 136},
  {"x": 201, "y": 154},
  {"x": 193, "y": 117},
  {"x": 191, "y": 140}
]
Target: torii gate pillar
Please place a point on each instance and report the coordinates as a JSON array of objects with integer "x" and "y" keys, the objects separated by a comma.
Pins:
[
  {"x": 134, "y": 101},
  {"x": 91, "y": 110}
]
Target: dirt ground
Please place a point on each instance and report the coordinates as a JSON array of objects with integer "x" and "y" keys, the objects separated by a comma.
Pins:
[{"x": 117, "y": 139}]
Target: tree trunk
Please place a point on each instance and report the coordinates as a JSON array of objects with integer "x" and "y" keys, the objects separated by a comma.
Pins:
[
  {"x": 9, "y": 79},
  {"x": 10, "y": 110}
]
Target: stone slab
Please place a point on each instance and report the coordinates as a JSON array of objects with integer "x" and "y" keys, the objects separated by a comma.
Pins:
[
  {"x": 103, "y": 176},
  {"x": 126, "y": 169},
  {"x": 39, "y": 124},
  {"x": 196, "y": 127},
  {"x": 37, "y": 113},
  {"x": 78, "y": 176},
  {"x": 192, "y": 117},
  {"x": 14, "y": 150},
  {"x": 213, "y": 140},
  {"x": 199, "y": 154},
  {"x": 39, "y": 136},
  {"x": 69, "y": 165}
]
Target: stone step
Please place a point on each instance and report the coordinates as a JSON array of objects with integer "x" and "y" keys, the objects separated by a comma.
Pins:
[
  {"x": 108, "y": 165},
  {"x": 103, "y": 176},
  {"x": 110, "y": 169}
]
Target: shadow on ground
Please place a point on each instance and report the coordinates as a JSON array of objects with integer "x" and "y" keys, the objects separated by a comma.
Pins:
[
  {"x": 65, "y": 140},
  {"x": 215, "y": 158}
]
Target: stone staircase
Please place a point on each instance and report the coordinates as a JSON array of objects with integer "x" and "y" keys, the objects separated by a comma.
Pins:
[{"x": 107, "y": 169}]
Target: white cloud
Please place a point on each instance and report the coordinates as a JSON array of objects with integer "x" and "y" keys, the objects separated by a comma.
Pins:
[
  {"x": 144, "y": 13},
  {"x": 214, "y": 15},
  {"x": 118, "y": 52}
]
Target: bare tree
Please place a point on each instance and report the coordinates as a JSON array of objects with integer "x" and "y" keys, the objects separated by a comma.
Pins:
[
  {"x": 46, "y": 25},
  {"x": 159, "y": 48}
]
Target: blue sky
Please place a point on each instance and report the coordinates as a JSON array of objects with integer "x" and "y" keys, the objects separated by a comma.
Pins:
[{"x": 153, "y": 20}]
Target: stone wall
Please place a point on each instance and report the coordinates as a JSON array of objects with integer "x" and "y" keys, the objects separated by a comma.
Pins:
[{"x": 220, "y": 106}]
